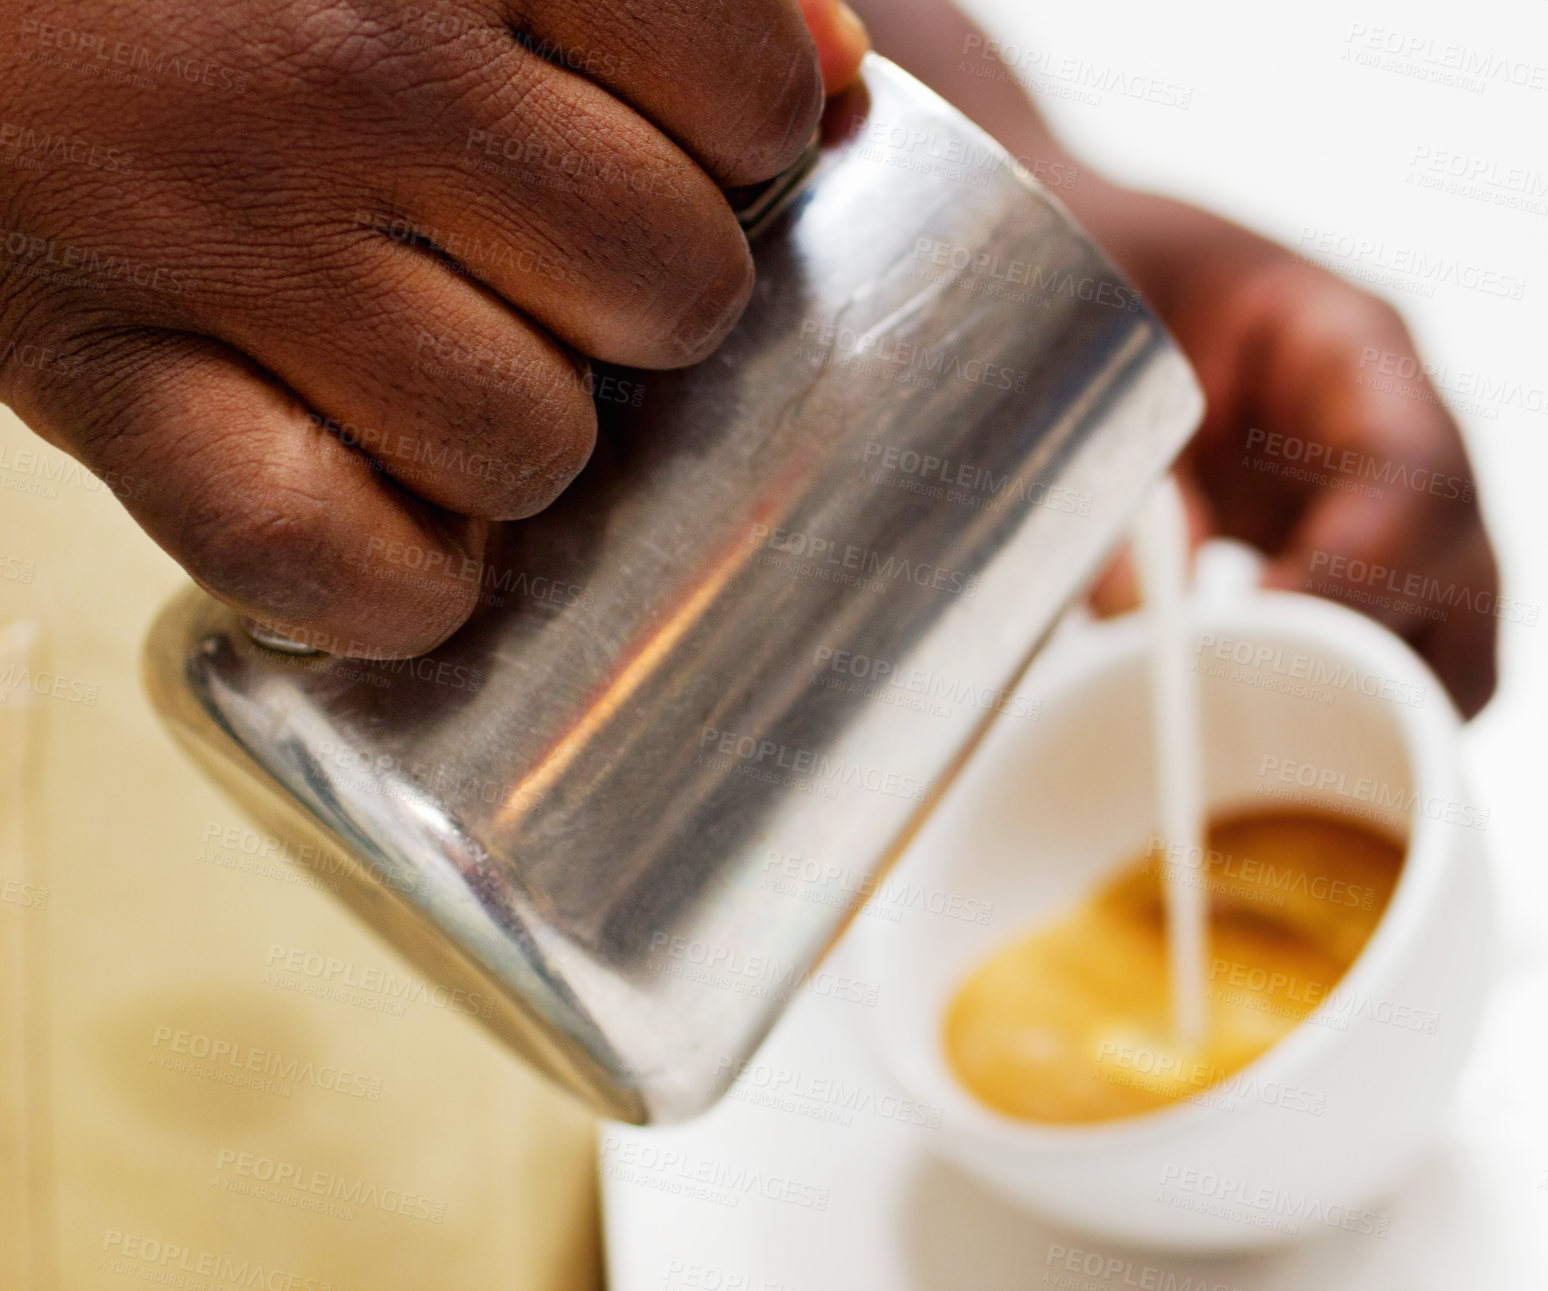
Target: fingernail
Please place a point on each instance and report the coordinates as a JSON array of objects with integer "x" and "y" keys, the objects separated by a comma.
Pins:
[
  {"x": 842, "y": 41},
  {"x": 849, "y": 27}
]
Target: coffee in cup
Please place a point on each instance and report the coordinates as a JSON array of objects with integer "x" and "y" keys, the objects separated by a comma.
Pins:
[{"x": 1072, "y": 1023}]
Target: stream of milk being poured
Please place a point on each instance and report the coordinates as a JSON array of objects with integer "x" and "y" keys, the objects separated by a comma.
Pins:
[{"x": 1161, "y": 563}]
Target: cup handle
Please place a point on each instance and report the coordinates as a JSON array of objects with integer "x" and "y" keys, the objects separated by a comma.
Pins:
[{"x": 1226, "y": 571}]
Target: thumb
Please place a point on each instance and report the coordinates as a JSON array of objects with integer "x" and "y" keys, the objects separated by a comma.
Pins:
[{"x": 841, "y": 41}]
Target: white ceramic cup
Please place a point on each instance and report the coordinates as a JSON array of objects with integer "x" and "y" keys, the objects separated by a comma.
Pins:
[{"x": 1304, "y": 703}]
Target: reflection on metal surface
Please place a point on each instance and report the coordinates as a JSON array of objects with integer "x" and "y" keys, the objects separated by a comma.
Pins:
[
  {"x": 925, "y": 433},
  {"x": 632, "y": 674}
]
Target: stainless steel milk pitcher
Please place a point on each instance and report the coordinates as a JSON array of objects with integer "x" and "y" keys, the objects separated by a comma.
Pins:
[{"x": 763, "y": 629}]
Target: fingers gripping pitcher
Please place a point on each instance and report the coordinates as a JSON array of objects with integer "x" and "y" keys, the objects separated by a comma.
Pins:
[{"x": 764, "y": 628}]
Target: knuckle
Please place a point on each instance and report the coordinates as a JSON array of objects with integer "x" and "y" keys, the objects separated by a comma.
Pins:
[
  {"x": 1382, "y": 316},
  {"x": 282, "y": 556},
  {"x": 274, "y": 548},
  {"x": 332, "y": 38},
  {"x": 1337, "y": 298},
  {"x": 691, "y": 280},
  {"x": 779, "y": 109},
  {"x": 559, "y": 431},
  {"x": 1317, "y": 308}
]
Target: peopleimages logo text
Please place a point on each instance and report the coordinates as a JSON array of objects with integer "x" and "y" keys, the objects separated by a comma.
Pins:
[
  {"x": 1420, "y": 588},
  {"x": 179, "y": 1264},
  {"x": 1394, "y": 799},
  {"x": 955, "y": 691},
  {"x": 895, "y": 354},
  {"x": 808, "y": 764},
  {"x": 1315, "y": 670},
  {"x": 1041, "y": 280},
  {"x": 858, "y": 562}
]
